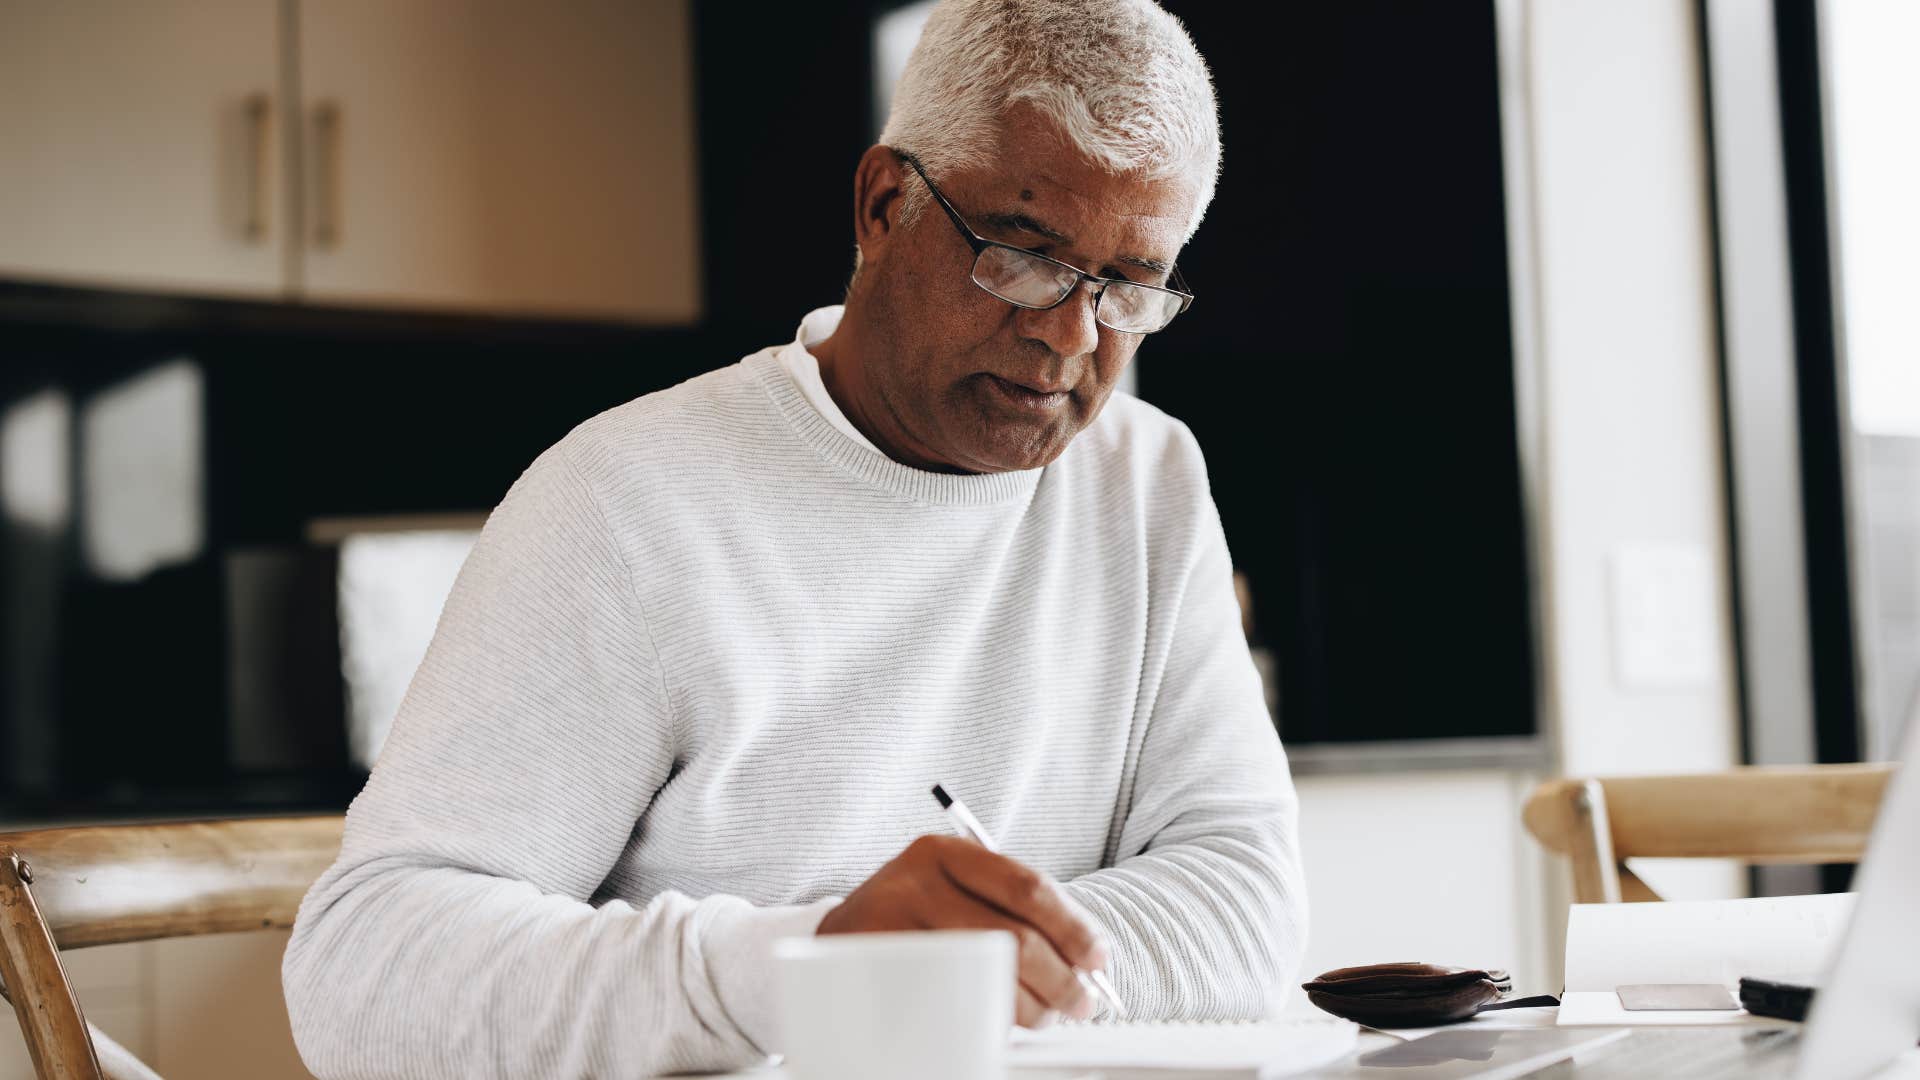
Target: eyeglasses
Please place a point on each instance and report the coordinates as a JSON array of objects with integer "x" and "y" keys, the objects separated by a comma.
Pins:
[{"x": 1029, "y": 279}]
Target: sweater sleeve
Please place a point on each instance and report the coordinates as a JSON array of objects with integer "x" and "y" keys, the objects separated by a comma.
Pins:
[
  {"x": 457, "y": 933},
  {"x": 1205, "y": 911}
]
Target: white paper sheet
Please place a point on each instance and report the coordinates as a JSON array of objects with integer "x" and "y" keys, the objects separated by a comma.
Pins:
[
  {"x": 1785, "y": 938},
  {"x": 1267, "y": 1048}
]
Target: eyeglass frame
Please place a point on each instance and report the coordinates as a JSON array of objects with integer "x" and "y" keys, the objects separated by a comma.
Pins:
[{"x": 979, "y": 244}]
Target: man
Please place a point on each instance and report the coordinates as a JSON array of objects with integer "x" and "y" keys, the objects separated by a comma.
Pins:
[{"x": 711, "y": 652}]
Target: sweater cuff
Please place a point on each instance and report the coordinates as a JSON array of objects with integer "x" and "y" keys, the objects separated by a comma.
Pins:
[
  {"x": 1083, "y": 902},
  {"x": 738, "y": 946}
]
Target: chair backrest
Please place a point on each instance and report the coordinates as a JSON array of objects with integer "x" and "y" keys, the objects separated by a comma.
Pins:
[
  {"x": 100, "y": 885},
  {"x": 1797, "y": 814}
]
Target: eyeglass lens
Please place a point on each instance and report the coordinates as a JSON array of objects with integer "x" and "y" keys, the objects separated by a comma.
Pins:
[{"x": 1029, "y": 281}]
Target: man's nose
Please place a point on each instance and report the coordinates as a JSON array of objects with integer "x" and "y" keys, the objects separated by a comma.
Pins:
[{"x": 1068, "y": 328}]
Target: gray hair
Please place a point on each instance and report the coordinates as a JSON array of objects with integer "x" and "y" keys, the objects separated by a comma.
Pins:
[{"x": 1120, "y": 78}]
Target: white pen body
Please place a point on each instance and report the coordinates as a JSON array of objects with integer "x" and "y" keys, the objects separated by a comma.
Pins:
[{"x": 969, "y": 826}]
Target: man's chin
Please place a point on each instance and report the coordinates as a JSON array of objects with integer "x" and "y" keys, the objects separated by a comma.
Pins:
[
  {"x": 999, "y": 437},
  {"x": 1008, "y": 451}
]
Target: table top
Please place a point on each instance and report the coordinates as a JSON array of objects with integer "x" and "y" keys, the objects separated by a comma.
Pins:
[{"x": 1628, "y": 1054}]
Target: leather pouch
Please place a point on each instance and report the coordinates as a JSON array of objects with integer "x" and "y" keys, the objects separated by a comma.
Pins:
[{"x": 1407, "y": 995}]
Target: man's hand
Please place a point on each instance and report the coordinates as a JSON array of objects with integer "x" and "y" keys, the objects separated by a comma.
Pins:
[{"x": 947, "y": 883}]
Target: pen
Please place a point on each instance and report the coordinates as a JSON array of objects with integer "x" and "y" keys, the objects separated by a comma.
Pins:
[{"x": 1095, "y": 982}]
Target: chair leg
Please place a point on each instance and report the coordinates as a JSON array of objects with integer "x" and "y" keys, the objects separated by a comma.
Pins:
[
  {"x": 43, "y": 1000},
  {"x": 1596, "y": 872}
]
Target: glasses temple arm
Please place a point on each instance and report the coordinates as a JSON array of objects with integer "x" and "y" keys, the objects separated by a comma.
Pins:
[{"x": 973, "y": 239}]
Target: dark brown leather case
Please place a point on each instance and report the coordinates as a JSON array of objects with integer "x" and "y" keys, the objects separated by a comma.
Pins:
[{"x": 1407, "y": 995}]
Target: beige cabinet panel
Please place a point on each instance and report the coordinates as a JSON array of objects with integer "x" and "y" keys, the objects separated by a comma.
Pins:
[
  {"x": 210, "y": 1007},
  {"x": 217, "y": 1009},
  {"x": 109, "y": 976},
  {"x": 137, "y": 139},
  {"x": 501, "y": 156},
  {"x": 114, "y": 985},
  {"x": 125, "y": 1024}
]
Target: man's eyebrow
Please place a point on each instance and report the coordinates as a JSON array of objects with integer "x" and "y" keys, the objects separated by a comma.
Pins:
[
  {"x": 1158, "y": 266},
  {"x": 1014, "y": 221}
]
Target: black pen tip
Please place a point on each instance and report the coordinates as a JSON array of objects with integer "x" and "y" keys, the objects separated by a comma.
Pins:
[{"x": 940, "y": 793}]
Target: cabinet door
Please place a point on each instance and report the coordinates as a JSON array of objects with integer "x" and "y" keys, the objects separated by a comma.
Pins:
[
  {"x": 501, "y": 156},
  {"x": 139, "y": 144}
]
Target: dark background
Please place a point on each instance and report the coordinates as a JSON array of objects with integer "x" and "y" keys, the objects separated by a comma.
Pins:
[{"x": 1347, "y": 368}]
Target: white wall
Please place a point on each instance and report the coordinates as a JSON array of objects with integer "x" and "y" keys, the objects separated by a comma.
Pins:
[
  {"x": 1629, "y": 407},
  {"x": 1629, "y": 385},
  {"x": 1424, "y": 866}
]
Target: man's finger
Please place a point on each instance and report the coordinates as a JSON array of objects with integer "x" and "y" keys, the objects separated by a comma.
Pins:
[
  {"x": 1028, "y": 1012},
  {"x": 1028, "y": 896},
  {"x": 1045, "y": 973}
]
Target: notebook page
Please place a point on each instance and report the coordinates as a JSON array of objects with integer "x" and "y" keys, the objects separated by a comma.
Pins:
[
  {"x": 1786, "y": 938},
  {"x": 1255, "y": 1049}
]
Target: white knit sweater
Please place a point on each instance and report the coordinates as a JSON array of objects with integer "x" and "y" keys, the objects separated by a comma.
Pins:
[{"x": 694, "y": 684}]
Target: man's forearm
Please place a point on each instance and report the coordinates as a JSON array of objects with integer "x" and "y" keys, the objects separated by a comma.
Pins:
[
  {"x": 1205, "y": 904},
  {"x": 399, "y": 970},
  {"x": 1209, "y": 928}
]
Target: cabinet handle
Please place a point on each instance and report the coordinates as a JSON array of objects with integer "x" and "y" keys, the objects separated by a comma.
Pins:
[
  {"x": 326, "y": 175},
  {"x": 258, "y": 110}
]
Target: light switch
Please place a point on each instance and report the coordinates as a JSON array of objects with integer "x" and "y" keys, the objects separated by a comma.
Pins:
[{"x": 1665, "y": 625}]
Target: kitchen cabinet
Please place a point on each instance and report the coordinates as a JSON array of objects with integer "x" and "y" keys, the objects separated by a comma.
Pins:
[
  {"x": 484, "y": 156},
  {"x": 140, "y": 145},
  {"x": 496, "y": 154}
]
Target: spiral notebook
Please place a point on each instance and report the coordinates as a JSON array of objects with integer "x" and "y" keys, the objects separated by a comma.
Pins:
[{"x": 1255, "y": 1050}]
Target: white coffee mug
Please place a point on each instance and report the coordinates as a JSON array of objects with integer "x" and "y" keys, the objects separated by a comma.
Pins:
[{"x": 932, "y": 1005}]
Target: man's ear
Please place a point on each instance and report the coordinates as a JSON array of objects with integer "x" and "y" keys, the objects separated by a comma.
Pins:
[{"x": 876, "y": 201}]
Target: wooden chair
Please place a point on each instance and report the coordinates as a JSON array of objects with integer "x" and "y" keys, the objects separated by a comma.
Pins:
[
  {"x": 69, "y": 888},
  {"x": 1797, "y": 814}
]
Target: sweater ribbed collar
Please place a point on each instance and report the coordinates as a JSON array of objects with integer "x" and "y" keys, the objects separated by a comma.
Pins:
[{"x": 879, "y": 470}]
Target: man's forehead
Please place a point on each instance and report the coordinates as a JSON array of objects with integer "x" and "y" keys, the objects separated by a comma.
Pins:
[
  {"x": 1041, "y": 178},
  {"x": 1071, "y": 203}
]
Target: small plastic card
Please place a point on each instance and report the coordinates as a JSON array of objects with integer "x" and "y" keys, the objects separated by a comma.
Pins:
[{"x": 1675, "y": 997}]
